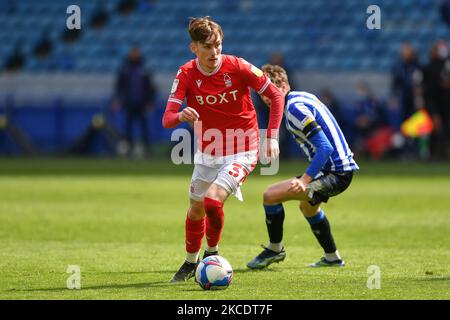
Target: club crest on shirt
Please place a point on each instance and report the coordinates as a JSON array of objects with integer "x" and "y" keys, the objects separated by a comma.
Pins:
[{"x": 227, "y": 80}]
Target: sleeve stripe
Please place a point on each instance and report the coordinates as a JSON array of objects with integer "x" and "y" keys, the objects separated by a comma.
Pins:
[
  {"x": 175, "y": 100},
  {"x": 264, "y": 86},
  {"x": 313, "y": 132},
  {"x": 310, "y": 127}
]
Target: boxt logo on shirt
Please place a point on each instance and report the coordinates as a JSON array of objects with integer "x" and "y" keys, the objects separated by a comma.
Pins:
[{"x": 212, "y": 99}]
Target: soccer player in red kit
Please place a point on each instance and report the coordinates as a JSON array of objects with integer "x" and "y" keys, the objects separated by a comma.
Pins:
[{"x": 219, "y": 106}]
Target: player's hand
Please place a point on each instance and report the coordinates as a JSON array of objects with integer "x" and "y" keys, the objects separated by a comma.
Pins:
[
  {"x": 297, "y": 185},
  {"x": 188, "y": 115},
  {"x": 271, "y": 149}
]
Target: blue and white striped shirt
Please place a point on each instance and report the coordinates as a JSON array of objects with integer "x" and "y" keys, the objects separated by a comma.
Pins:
[{"x": 305, "y": 116}]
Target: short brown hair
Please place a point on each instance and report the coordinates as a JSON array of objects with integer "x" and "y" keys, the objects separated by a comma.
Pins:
[
  {"x": 276, "y": 74},
  {"x": 201, "y": 29}
]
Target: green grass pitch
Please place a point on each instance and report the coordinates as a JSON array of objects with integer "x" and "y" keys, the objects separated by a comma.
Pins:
[{"x": 122, "y": 223}]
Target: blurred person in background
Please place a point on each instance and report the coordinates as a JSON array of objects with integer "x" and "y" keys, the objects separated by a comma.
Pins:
[
  {"x": 370, "y": 118},
  {"x": 135, "y": 92},
  {"x": 16, "y": 60},
  {"x": 436, "y": 94},
  {"x": 445, "y": 76},
  {"x": 330, "y": 100},
  {"x": 100, "y": 16},
  {"x": 407, "y": 78},
  {"x": 445, "y": 11},
  {"x": 406, "y": 74}
]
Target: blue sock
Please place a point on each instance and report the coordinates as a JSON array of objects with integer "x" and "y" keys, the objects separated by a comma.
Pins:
[
  {"x": 274, "y": 222},
  {"x": 322, "y": 231},
  {"x": 320, "y": 216}
]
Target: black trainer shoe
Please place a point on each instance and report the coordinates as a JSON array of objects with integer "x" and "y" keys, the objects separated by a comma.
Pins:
[
  {"x": 325, "y": 263},
  {"x": 207, "y": 254},
  {"x": 266, "y": 258},
  {"x": 187, "y": 271}
]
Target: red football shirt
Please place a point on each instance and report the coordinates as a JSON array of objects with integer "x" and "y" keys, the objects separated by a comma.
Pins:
[{"x": 223, "y": 102}]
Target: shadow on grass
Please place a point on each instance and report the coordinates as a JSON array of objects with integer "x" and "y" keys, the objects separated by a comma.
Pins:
[
  {"x": 434, "y": 279},
  {"x": 165, "y": 283},
  {"x": 246, "y": 270},
  {"x": 130, "y": 272},
  {"x": 238, "y": 271},
  {"x": 134, "y": 285},
  {"x": 111, "y": 286}
]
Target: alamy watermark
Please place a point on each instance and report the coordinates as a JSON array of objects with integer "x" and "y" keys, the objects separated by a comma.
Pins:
[
  {"x": 222, "y": 145},
  {"x": 74, "y": 20},
  {"x": 74, "y": 280},
  {"x": 374, "y": 279},
  {"x": 374, "y": 20}
]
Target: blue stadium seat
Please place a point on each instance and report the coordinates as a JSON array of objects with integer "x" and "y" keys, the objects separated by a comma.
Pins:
[{"x": 253, "y": 29}]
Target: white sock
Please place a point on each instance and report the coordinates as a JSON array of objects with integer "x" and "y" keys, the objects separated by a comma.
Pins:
[
  {"x": 212, "y": 249},
  {"x": 192, "y": 257},
  {"x": 275, "y": 246},
  {"x": 333, "y": 256}
]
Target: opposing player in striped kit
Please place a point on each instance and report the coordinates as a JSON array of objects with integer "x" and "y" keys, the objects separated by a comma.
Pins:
[
  {"x": 216, "y": 88},
  {"x": 330, "y": 172}
]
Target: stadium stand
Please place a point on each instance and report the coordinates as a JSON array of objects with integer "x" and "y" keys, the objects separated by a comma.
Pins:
[
  {"x": 321, "y": 30},
  {"x": 315, "y": 38}
]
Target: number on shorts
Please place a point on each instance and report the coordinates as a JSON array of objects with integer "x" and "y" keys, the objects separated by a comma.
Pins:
[{"x": 237, "y": 170}]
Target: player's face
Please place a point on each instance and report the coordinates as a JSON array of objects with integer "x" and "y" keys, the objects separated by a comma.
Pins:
[{"x": 208, "y": 53}]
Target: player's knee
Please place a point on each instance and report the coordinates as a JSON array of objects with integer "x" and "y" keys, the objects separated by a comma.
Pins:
[
  {"x": 301, "y": 207},
  {"x": 213, "y": 209},
  {"x": 212, "y": 206},
  {"x": 269, "y": 197},
  {"x": 217, "y": 192},
  {"x": 196, "y": 211},
  {"x": 307, "y": 209}
]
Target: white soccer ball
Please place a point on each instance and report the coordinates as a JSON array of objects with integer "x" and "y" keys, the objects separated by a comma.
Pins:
[{"x": 214, "y": 273}]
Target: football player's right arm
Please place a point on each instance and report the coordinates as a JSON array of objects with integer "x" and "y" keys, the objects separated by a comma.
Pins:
[
  {"x": 324, "y": 149},
  {"x": 304, "y": 120},
  {"x": 172, "y": 116}
]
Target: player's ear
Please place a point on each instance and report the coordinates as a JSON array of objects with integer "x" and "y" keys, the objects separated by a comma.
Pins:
[
  {"x": 193, "y": 47},
  {"x": 284, "y": 87}
]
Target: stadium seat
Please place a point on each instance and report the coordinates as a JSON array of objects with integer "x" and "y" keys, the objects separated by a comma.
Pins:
[{"x": 329, "y": 28}]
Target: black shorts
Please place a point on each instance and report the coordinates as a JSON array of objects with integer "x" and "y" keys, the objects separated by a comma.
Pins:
[{"x": 328, "y": 185}]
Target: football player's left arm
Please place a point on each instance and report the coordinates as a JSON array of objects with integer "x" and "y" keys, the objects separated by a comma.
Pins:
[
  {"x": 276, "y": 109},
  {"x": 256, "y": 79},
  {"x": 276, "y": 115}
]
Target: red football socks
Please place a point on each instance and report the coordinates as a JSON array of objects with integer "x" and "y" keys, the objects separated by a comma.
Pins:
[
  {"x": 195, "y": 230},
  {"x": 214, "y": 221}
]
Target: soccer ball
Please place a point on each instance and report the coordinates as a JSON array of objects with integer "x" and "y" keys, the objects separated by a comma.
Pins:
[{"x": 214, "y": 273}]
